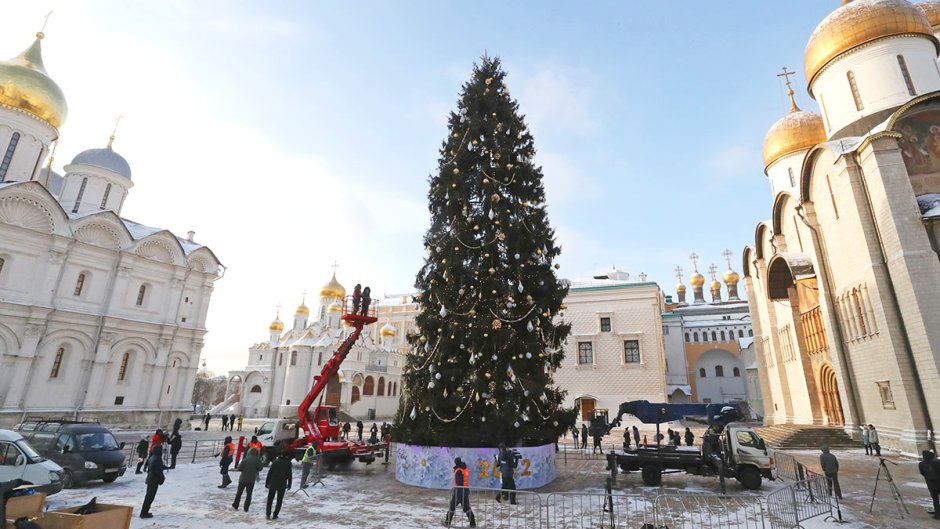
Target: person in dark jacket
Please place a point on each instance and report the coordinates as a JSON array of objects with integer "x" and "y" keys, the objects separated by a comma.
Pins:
[
  {"x": 830, "y": 467},
  {"x": 461, "y": 493},
  {"x": 373, "y": 434},
  {"x": 231, "y": 422},
  {"x": 346, "y": 428},
  {"x": 584, "y": 432},
  {"x": 176, "y": 444},
  {"x": 930, "y": 468},
  {"x": 689, "y": 437},
  {"x": 154, "y": 479},
  {"x": 143, "y": 449},
  {"x": 224, "y": 422},
  {"x": 359, "y": 427},
  {"x": 228, "y": 455},
  {"x": 249, "y": 468},
  {"x": 277, "y": 481},
  {"x": 506, "y": 462},
  {"x": 206, "y": 420},
  {"x": 626, "y": 438},
  {"x": 636, "y": 436}
]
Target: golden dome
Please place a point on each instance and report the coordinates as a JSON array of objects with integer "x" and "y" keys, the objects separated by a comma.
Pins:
[
  {"x": 697, "y": 279},
  {"x": 276, "y": 325},
  {"x": 680, "y": 288},
  {"x": 731, "y": 277},
  {"x": 335, "y": 307},
  {"x": 794, "y": 132},
  {"x": 932, "y": 10},
  {"x": 388, "y": 329},
  {"x": 715, "y": 285},
  {"x": 25, "y": 86},
  {"x": 302, "y": 309},
  {"x": 860, "y": 22},
  {"x": 333, "y": 289}
]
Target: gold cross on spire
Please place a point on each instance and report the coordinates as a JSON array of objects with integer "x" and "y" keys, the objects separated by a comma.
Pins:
[
  {"x": 679, "y": 273},
  {"x": 41, "y": 33},
  {"x": 727, "y": 255},
  {"x": 335, "y": 265},
  {"x": 786, "y": 75},
  {"x": 117, "y": 121},
  {"x": 694, "y": 259},
  {"x": 713, "y": 271}
]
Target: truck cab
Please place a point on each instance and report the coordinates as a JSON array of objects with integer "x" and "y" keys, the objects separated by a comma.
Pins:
[{"x": 748, "y": 454}]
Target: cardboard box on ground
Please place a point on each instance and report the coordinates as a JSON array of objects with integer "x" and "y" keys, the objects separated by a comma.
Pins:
[{"x": 106, "y": 516}]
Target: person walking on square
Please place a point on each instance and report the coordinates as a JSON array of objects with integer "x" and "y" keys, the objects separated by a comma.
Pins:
[
  {"x": 866, "y": 440},
  {"x": 461, "y": 493},
  {"x": 506, "y": 462},
  {"x": 830, "y": 467},
  {"x": 636, "y": 436},
  {"x": 373, "y": 432},
  {"x": 310, "y": 457},
  {"x": 176, "y": 444},
  {"x": 346, "y": 428},
  {"x": 689, "y": 437},
  {"x": 143, "y": 448},
  {"x": 574, "y": 435},
  {"x": 231, "y": 422},
  {"x": 155, "y": 478},
  {"x": 206, "y": 420},
  {"x": 224, "y": 422},
  {"x": 626, "y": 438},
  {"x": 250, "y": 467},
  {"x": 359, "y": 427},
  {"x": 930, "y": 468},
  {"x": 228, "y": 454},
  {"x": 241, "y": 419},
  {"x": 277, "y": 481},
  {"x": 873, "y": 437},
  {"x": 584, "y": 433}
]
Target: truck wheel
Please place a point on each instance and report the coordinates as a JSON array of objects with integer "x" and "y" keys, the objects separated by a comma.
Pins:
[
  {"x": 68, "y": 481},
  {"x": 652, "y": 474},
  {"x": 749, "y": 478}
]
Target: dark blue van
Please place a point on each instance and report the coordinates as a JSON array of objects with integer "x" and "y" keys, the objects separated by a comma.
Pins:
[{"x": 86, "y": 451}]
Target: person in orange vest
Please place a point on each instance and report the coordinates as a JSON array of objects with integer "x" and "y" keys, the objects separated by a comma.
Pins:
[
  {"x": 228, "y": 455},
  {"x": 254, "y": 443},
  {"x": 461, "y": 493}
]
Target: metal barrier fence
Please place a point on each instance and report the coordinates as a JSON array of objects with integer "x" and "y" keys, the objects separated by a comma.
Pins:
[
  {"x": 708, "y": 511},
  {"x": 790, "y": 506},
  {"x": 576, "y": 511},
  {"x": 524, "y": 513},
  {"x": 789, "y": 468}
]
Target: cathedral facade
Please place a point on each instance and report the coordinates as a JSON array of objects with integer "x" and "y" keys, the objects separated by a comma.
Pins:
[
  {"x": 844, "y": 279},
  {"x": 100, "y": 317}
]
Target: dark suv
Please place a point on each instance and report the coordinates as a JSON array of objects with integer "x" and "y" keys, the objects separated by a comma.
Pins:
[{"x": 85, "y": 450}]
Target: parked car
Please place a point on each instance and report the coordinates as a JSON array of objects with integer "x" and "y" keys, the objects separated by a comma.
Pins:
[
  {"x": 87, "y": 451},
  {"x": 18, "y": 460}
]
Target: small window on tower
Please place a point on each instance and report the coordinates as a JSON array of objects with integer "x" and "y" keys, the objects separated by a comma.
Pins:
[
  {"x": 104, "y": 199},
  {"x": 855, "y": 93},
  {"x": 79, "y": 285},
  {"x": 605, "y": 324},
  {"x": 887, "y": 398},
  {"x": 81, "y": 193},
  {"x": 792, "y": 179},
  {"x": 141, "y": 295},
  {"x": 907, "y": 76},
  {"x": 8, "y": 156},
  {"x": 293, "y": 358}
]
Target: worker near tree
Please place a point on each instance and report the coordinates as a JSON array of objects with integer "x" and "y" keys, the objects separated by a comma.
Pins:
[
  {"x": 636, "y": 436},
  {"x": 359, "y": 427},
  {"x": 155, "y": 478},
  {"x": 143, "y": 451},
  {"x": 346, "y": 429},
  {"x": 278, "y": 481},
  {"x": 228, "y": 455},
  {"x": 584, "y": 434},
  {"x": 830, "y": 467},
  {"x": 689, "y": 437},
  {"x": 254, "y": 443},
  {"x": 506, "y": 462},
  {"x": 250, "y": 467},
  {"x": 626, "y": 438},
  {"x": 461, "y": 493},
  {"x": 310, "y": 457},
  {"x": 930, "y": 468},
  {"x": 176, "y": 444}
]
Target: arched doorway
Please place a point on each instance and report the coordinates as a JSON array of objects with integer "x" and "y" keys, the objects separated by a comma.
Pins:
[
  {"x": 832, "y": 403},
  {"x": 587, "y": 408}
]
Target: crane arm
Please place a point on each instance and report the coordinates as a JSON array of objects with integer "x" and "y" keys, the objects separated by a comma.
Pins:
[{"x": 658, "y": 413}]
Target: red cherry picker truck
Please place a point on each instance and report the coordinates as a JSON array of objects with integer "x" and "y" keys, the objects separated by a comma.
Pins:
[{"x": 320, "y": 426}]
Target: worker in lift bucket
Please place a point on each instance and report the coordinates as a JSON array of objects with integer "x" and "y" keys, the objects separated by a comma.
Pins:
[
  {"x": 461, "y": 493},
  {"x": 711, "y": 447}
]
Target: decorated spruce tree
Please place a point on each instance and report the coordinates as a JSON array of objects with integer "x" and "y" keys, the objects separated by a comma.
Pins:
[{"x": 487, "y": 338}]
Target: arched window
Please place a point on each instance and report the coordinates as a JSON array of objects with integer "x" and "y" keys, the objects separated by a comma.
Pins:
[
  {"x": 293, "y": 358},
  {"x": 394, "y": 388},
  {"x": 81, "y": 193},
  {"x": 381, "y": 391},
  {"x": 740, "y": 333},
  {"x": 855, "y": 93},
  {"x": 256, "y": 389},
  {"x": 859, "y": 313},
  {"x": 104, "y": 199},
  {"x": 722, "y": 335},
  {"x": 750, "y": 332},
  {"x": 719, "y": 371},
  {"x": 792, "y": 179},
  {"x": 687, "y": 337},
  {"x": 714, "y": 336},
  {"x": 907, "y": 76},
  {"x": 79, "y": 285},
  {"x": 369, "y": 387},
  {"x": 355, "y": 395},
  {"x": 122, "y": 373},
  {"x": 695, "y": 336},
  {"x": 701, "y": 372},
  {"x": 736, "y": 372},
  {"x": 8, "y": 156},
  {"x": 57, "y": 363},
  {"x": 141, "y": 295}
]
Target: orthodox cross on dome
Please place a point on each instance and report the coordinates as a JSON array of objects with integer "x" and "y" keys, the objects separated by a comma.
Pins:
[
  {"x": 117, "y": 121},
  {"x": 713, "y": 271},
  {"x": 278, "y": 312},
  {"x": 727, "y": 255},
  {"x": 303, "y": 299},
  {"x": 786, "y": 75},
  {"x": 694, "y": 258},
  {"x": 42, "y": 30},
  {"x": 679, "y": 273},
  {"x": 334, "y": 266}
]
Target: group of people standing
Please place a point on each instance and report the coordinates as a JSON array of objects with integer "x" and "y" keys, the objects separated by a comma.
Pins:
[
  {"x": 631, "y": 437},
  {"x": 150, "y": 456},
  {"x": 870, "y": 440},
  {"x": 373, "y": 432},
  {"x": 228, "y": 422}
]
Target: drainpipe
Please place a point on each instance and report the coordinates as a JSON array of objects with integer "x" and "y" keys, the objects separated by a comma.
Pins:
[{"x": 820, "y": 245}]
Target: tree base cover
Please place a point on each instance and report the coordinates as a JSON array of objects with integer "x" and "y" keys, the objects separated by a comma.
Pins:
[{"x": 433, "y": 466}]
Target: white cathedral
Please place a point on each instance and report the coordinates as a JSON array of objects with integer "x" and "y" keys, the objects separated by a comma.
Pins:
[
  {"x": 100, "y": 317},
  {"x": 281, "y": 369}
]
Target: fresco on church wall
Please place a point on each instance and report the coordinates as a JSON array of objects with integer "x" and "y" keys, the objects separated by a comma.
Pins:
[
  {"x": 920, "y": 146},
  {"x": 433, "y": 466}
]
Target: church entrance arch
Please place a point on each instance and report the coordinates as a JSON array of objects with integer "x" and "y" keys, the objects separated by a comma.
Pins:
[
  {"x": 832, "y": 402},
  {"x": 587, "y": 407}
]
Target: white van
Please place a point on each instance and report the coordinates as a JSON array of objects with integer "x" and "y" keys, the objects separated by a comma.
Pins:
[{"x": 18, "y": 460}]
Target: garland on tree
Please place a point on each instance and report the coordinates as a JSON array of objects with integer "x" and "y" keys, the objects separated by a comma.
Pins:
[{"x": 487, "y": 342}]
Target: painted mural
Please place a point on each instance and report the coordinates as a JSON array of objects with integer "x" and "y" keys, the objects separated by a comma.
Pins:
[
  {"x": 920, "y": 138},
  {"x": 432, "y": 466}
]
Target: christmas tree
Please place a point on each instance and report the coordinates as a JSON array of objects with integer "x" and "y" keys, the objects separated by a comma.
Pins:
[{"x": 486, "y": 343}]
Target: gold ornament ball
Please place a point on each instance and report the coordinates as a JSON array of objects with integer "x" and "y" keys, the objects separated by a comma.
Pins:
[
  {"x": 557, "y": 266},
  {"x": 501, "y": 236},
  {"x": 453, "y": 185},
  {"x": 423, "y": 339},
  {"x": 491, "y": 270},
  {"x": 488, "y": 81},
  {"x": 562, "y": 306},
  {"x": 494, "y": 198},
  {"x": 456, "y": 170},
  {"x": 486, "y": 181},
  {"x": 497, "y": 324}
]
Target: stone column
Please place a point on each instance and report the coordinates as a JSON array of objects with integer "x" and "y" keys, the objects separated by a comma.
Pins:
[
  {"x": 26, "y": 365},
  {"x": 99, "y": 369}
]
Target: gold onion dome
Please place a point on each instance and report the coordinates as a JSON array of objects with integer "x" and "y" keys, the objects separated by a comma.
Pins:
[
  {"x": 335, "y": 307},
  {"x": 796, "y": 131},
  {"x": 860, "y": 22},
  {"x": 276, "y": 325},
  {"x": 302, "y": 309},
  {"x": 680, "y": 288},
  {"x": 388, "y": 329},
  {"x": 931, "y": 10},
  {"x": 25, "y": 86},
  {"x": 333, "y": 289},
  {"x": 731, "y": 277},
  {"x": 715, "y": 285},
  {"x": 697, "y": 279}
]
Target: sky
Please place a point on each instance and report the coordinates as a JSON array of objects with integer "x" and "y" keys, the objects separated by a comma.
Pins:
[{"x": 291, "y": 135}]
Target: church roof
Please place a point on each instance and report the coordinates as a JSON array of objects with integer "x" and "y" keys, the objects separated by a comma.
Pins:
[{"x": 106, "y": 159}]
